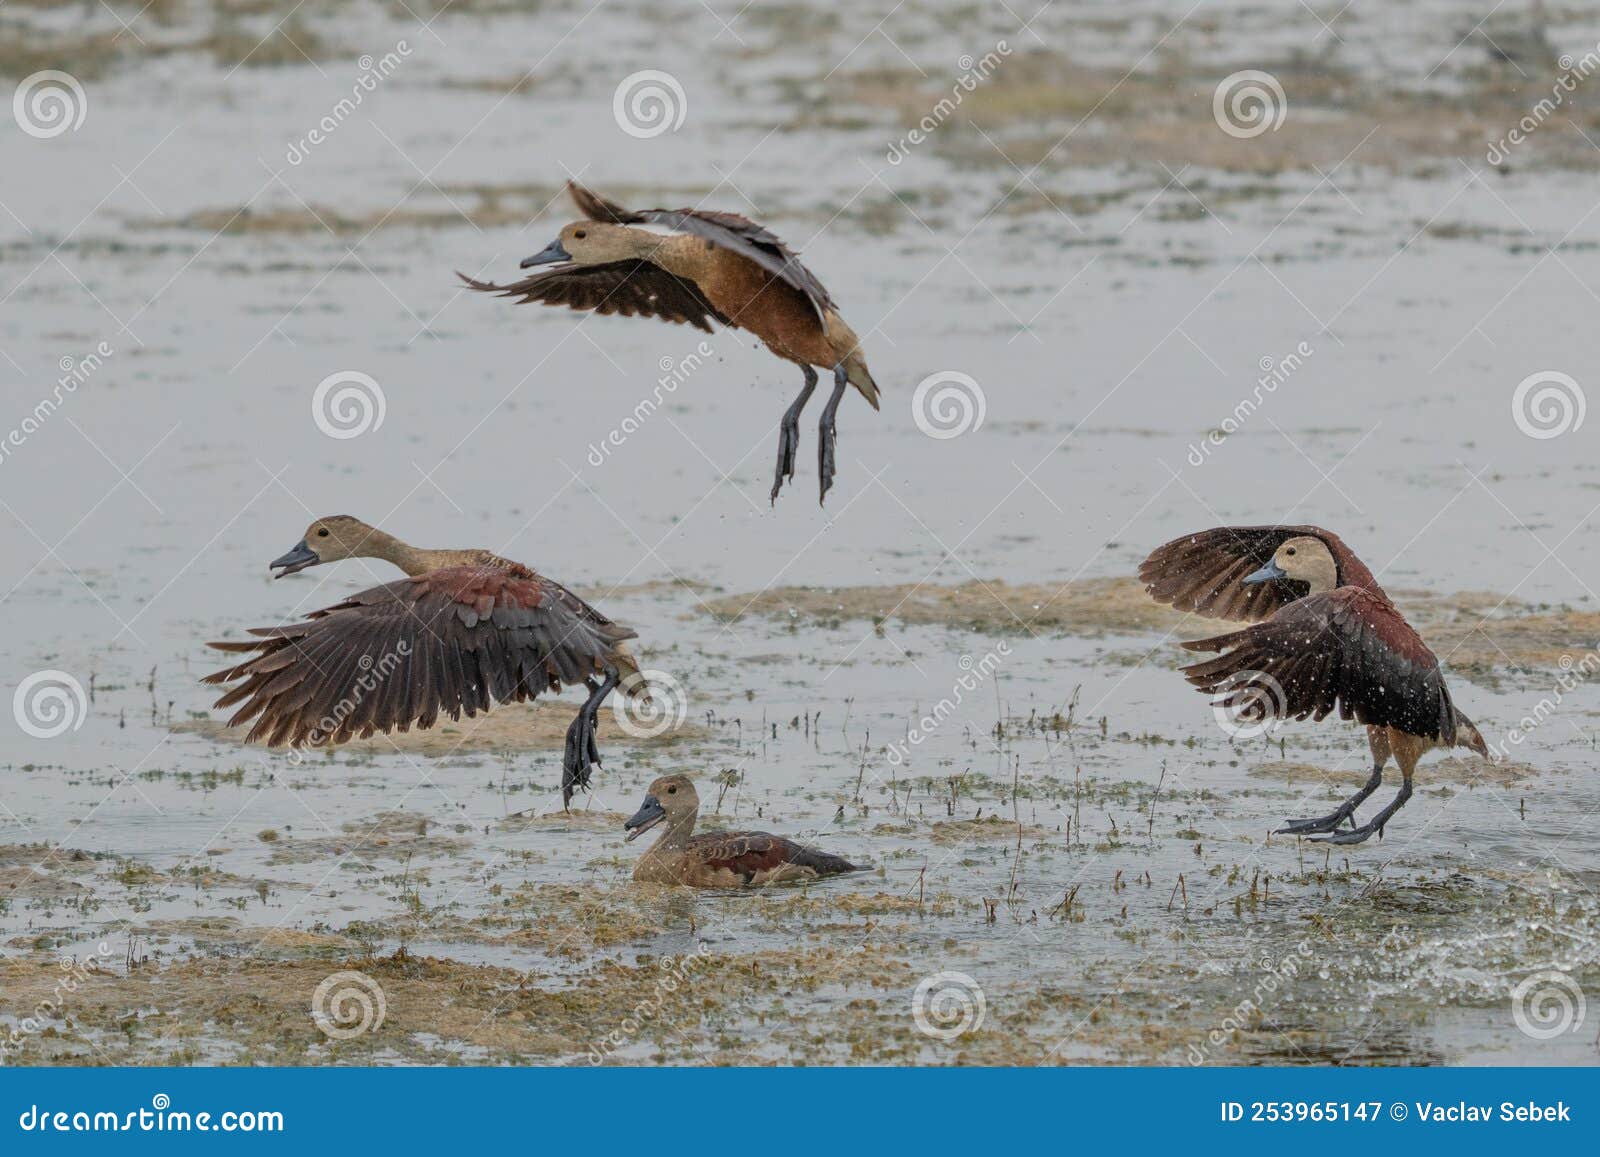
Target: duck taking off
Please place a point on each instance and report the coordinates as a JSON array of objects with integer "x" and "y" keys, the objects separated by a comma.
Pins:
[
  {"x": 717, "y": 859},
  {"x": 467, "y": 629},
  {"x": 1326, "y": 636},
  {"x": 710, "y": 266}
]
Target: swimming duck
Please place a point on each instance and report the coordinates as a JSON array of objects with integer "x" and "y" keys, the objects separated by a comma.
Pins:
[
  {"x": 717, "y": 859},
  {"x": 465, "y": 630},
  {"x": 712, "y": 266},
  {"x": 1325, "y": 636}
]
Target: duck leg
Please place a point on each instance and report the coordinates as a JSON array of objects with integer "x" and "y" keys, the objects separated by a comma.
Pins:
[
  {"x": 1374, "y": 826},
  {"x": 582, "y": 752},
  {"x": 789, "y": 434},
  {"x": 825, "y": 431},
  {"x": 1333, "y": 819}
]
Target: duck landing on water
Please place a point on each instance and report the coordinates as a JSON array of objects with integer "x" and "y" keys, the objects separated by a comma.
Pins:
[
  {"x": 1326, "y": 636},
  {"x": 467, "y": 629},
  {"x": 711, "y": 267},
  {"x": 717, "y": 859}
]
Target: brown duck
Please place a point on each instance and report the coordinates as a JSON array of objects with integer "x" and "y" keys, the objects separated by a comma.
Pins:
[
  {"x": 465, "y": 630},
  {"x": 1325, "y": 637},
  {"x": 717, "y": 859},
  {"x": 712, "y": 267}
]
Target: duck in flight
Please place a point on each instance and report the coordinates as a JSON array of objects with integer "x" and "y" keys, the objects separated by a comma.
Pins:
[
  {"x": 1325, "y": 637},
  {"x": 717, "y": 859},
  {"x": 709, "y": 266},
  {"x": 465, "y": 630}
]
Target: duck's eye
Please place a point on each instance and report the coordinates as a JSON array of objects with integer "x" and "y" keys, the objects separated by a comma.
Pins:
[
  {"x": 672, "y": 791},
  {"x": 323, "y": 533},
  {"x": 1290, "y": 552},
  {"x": 581, "y": 234}
]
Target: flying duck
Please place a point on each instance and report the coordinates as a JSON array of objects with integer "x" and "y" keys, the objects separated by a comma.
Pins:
[
  {"x": 717, "y": 859},
  {"x": 465, "y": 630},
  {"x": 1325, "y": 636},
  {"x": 710, "y": 266}
]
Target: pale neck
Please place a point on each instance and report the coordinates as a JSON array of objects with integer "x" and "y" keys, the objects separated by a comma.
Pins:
[{"x": 678, "y": 830}]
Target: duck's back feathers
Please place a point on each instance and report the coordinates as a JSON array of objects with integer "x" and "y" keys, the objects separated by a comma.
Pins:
[
  {"x": 1201, "y": 572},
  {"x": 729, "y": 231},
  {"x": 633, "y": 288},
  {"x": 1347, "y": 649},
  {"x": 757, "y": 856},
  {"x": 398, "y": 655}
]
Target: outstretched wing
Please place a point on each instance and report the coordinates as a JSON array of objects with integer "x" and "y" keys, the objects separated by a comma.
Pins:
[
  {"x": 629, "y": 288},
  {"x": 1348, "y": 649},
  {"x": 398, "y": 655},
  {"x": 728, "y": 230},
  {"x": 1200, "y": 572}
]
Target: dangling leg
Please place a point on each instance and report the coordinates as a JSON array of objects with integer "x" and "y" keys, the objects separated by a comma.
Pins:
[
  {"x": 789, "y": 434},
  {"x": 825, "y": 431},
  {"x": 1406, "y": 755},
  {"x": 1378, "y": 740},
  {"x": 582, "y": 752}
]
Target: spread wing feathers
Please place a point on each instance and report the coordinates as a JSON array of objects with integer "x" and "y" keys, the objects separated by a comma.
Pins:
[
  {"x": 748, "y": 854},
  {"x": 728, "y": 230},
  {"x": 398, "y": 655},
  {"x": 630, "y": 288},
  {"x": 1348, "y": 649},
  {"x": 1201, "y": 572}
]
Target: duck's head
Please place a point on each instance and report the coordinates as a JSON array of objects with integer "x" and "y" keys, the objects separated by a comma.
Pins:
[
  {"x": 1305, "y": 559},
  {"x": 672, "y": 797},
  {"x": 327, "y": 540},
  {"x": 594, "y": 243}
]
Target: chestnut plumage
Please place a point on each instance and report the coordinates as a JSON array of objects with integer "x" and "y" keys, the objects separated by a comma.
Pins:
[
  {"x": 711, "y": 267},
  {"x": 466, "y": 630},
  {"x": 1325, "y": 638}
]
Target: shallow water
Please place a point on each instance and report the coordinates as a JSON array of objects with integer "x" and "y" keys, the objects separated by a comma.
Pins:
[{"x": 1113, "y": 306}]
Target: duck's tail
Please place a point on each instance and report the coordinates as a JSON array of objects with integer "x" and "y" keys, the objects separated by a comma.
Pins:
[
  {"x": 633, "y": 684},
  {"x": 855, "y": 362}
]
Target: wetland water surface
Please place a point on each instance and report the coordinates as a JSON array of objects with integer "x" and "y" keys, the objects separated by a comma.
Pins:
[{"x": 946, "y": 672}]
